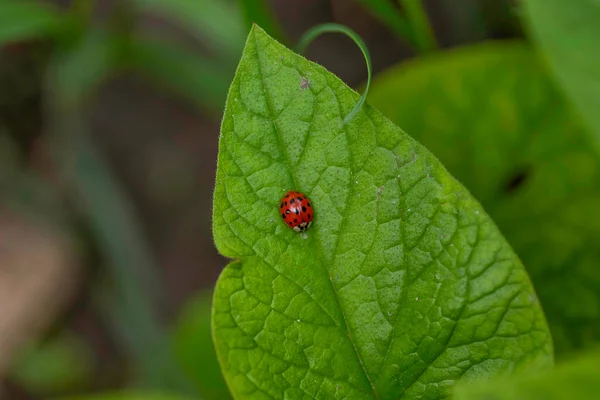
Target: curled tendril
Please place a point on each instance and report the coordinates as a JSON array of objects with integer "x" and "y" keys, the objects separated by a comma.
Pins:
[{"x": 316, "y": 31}]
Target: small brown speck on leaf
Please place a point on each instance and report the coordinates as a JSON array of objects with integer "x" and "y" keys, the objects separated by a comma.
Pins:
[{"x": 304, "y": 84}]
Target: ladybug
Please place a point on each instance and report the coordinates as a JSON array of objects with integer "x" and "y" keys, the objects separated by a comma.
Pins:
[{"x": 296, "y": 211}]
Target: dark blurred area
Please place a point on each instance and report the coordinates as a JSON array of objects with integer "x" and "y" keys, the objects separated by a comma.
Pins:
[{"x": 63, "y": 288}]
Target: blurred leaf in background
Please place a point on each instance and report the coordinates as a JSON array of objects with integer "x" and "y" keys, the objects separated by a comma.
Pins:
[
  {"x": 59, "y": 364},
  {"x": 25, "y": 19},
  {"x": 576, "y": 378},
  {"x": 130, "y": 395},
  {"x": 568, "y": 34},
  {"x": 194, "y": 349},
  {"x": 220, "y": 26},
  {"x": 185, "y": 72},
  {"x": 408, "y": 20},
  {"x": 215, "y": 23},
  {"x": 259, "y": 12},
  {"x": 493, "y": 117}
]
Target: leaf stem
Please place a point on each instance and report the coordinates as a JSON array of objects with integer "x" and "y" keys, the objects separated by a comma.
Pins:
[{"x": 318, "y": 30}]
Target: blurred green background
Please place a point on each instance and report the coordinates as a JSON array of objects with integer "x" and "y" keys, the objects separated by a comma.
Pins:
[{"x": 109, "y": 120}]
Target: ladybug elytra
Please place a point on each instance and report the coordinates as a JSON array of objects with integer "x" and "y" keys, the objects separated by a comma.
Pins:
[{"x": 296, "y": 211}]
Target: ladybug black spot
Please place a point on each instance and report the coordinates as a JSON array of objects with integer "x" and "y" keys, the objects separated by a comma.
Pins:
[
  {"x": 295, "y": 220},
  {"x": 309, "y": 205},
  {"x": 309, "y": 216},
  {"x": 297, "y": 212},
  {"x": 303, "y": 209},
  {"x": 283, "y": 216},
  {"x": 292, "y": 201}
]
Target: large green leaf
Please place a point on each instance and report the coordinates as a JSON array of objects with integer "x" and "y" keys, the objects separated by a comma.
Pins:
[
  {"x": 403, "y": 284},
  {"x": 493, "y": 117},
  {"x": 568, "y": 33},
  {"x": 577, "y": 379}
]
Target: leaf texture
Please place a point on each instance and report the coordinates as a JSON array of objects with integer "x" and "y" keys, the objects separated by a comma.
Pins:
[{"x": 402, "y": 286}]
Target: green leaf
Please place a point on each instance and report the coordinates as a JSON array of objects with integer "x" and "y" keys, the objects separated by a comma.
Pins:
[
  {"x": 577, "y": 379},
  {"x": 494, "y": 118},
  {"x": 402, "y": 285},
  {"x": 25, "y": 19},
  {"x": 568, "y": 33},
  {"x": 192, "y": 340}
]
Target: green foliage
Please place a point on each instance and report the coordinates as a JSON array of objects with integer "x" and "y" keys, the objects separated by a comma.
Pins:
[
  {"x": 218, "y": 24},
  {"x": 577, "y": 379},
  {"x": 47, "y": 367},
  {"x": 402, "y": 286},
  {"x": 410, "y": 22},
  {"x": 99, "y": 198},
  {"x": 192, "y": 340},
  {"x": 524, "y": 156},
  {"x": 418, "y": 19},
  {"x": 75, "y": 73},
  {"x": 259, "y": 12},
  {"x": 568, "y": 34},
  {"x": 24, "y": 19},
  {"x": 128, "y": 395},
  {"x": 174, "y": 67},
  {"x": 389, "y": 15}
]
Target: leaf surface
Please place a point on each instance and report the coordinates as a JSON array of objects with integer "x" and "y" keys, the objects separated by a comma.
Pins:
[
  {"x": 402, "y": 285},
  {"x": 493, "y": 116}
]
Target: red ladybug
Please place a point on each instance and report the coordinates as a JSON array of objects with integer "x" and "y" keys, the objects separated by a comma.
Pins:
[{"x": 296, "y": 211}]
